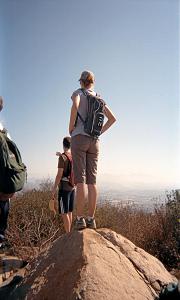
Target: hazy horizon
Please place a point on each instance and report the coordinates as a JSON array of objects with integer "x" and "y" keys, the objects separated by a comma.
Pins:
[{"x": 107, "y": 182}]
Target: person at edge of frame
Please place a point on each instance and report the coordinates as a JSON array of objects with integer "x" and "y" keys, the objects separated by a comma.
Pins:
[{"x": 4, "y": 199}]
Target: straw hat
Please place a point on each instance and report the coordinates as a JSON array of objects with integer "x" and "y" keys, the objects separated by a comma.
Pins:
[{"x": 53, "y": 206}]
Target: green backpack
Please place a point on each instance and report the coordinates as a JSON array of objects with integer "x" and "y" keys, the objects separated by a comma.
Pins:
[{"x": 12, "y": 170}]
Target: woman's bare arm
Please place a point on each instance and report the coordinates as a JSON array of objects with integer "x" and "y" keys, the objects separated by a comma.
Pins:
[
  {"x": 74, "y": 108},
  {"x": 110, "y": 119}
]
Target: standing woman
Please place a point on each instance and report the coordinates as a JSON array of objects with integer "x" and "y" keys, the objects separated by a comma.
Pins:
[{"x": 85, "y": 151}]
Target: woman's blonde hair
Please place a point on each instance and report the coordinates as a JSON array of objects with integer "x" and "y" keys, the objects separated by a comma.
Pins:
[{"x": 87, "y": 77}]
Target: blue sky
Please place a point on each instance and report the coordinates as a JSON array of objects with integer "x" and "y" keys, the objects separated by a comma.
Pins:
[{"x": 132, "y": 46}]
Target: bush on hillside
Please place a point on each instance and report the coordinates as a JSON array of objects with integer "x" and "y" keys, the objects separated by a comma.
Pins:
[
  {"x": 157, "y": 232},
  {"x": 31, "y": 223}
]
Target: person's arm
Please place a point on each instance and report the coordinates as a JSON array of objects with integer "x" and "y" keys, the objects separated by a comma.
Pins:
[
  {"x": 110, "y": 119},
  {"x": 57, "y": 181},
  {"x": 74, "y": 109}
]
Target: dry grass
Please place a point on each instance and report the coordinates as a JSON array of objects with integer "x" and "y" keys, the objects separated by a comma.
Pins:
[
  {"x": 155, "y": 232},
  {"x": 32, "y": 225}
]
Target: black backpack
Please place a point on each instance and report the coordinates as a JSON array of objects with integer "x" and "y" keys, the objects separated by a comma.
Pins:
[
  {"x": 12, "y": 170},
  {"x": 69, "y": 174},
  {"x": 170, "y": 291},
  {"x": 95, "y": 115}
]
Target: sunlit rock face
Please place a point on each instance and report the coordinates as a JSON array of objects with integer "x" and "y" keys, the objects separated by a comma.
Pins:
[{"x": 90, "y": 265}]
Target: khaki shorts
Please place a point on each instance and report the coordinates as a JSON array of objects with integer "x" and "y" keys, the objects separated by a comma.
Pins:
[{"x": 85, "y": 152}]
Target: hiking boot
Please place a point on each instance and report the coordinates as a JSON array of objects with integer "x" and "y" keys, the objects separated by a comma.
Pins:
[
  {"x": 91, "y": 223},
  {"x": 80, "y": 223}
]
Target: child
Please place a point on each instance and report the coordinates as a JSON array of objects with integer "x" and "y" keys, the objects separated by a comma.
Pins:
[{"x": 66, "y": 190}]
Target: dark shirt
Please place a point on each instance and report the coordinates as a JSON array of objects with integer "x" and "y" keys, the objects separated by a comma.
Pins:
[{"x": 63, "y": 163}]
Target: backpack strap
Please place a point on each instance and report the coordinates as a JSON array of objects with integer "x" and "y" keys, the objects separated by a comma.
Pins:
[
  {"x": 65, "y": 177},
  {"x": 70, "y": 177},
  {"x": 84, "y": 92},
  {"x": 68, "y": 156},
  {"x": 78, "y": 114},
  {"x": 80, "y": 117}
]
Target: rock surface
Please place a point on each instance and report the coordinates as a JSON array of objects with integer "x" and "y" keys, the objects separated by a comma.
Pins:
[
  {"x": 91, "y": 265},
  {"x": 9, "y": 265}
]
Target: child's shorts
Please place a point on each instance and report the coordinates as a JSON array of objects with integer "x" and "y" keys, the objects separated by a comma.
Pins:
[{"x": 66, "y": 201}]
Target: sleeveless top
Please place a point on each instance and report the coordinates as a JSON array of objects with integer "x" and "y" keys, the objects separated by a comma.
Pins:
[{"x": 82, "y": 109}]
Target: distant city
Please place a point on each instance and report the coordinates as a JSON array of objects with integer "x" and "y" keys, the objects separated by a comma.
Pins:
[{"x": 143, "y": 197}]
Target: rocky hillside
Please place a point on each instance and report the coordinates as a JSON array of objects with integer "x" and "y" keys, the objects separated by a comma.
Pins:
[{"x": 90, "y": 265}]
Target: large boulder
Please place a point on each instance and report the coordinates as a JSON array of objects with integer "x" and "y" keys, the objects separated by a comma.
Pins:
[{"x": 92, "y": 265}]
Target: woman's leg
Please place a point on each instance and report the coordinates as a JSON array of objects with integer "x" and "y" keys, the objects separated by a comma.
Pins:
[
  {"x": 92, "y": 199},
  {"x": 79, "y": 147},
  {"x": 66, "y": 222},
  {"x": 80, "y": 198},
  {"x": 91, "y": 173}
]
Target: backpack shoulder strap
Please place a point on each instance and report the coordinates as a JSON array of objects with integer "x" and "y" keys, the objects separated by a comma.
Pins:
[
  {"x": 69, "y": 157},
  {"x": 71, "y": 173},
  {"x": 67, "y": 172},
  {"x": 80, "y": 117},
  {"x": 84, "y": 92},
  {"x": 63, "y": 155},
  {"x": 78, "y": 114}
]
